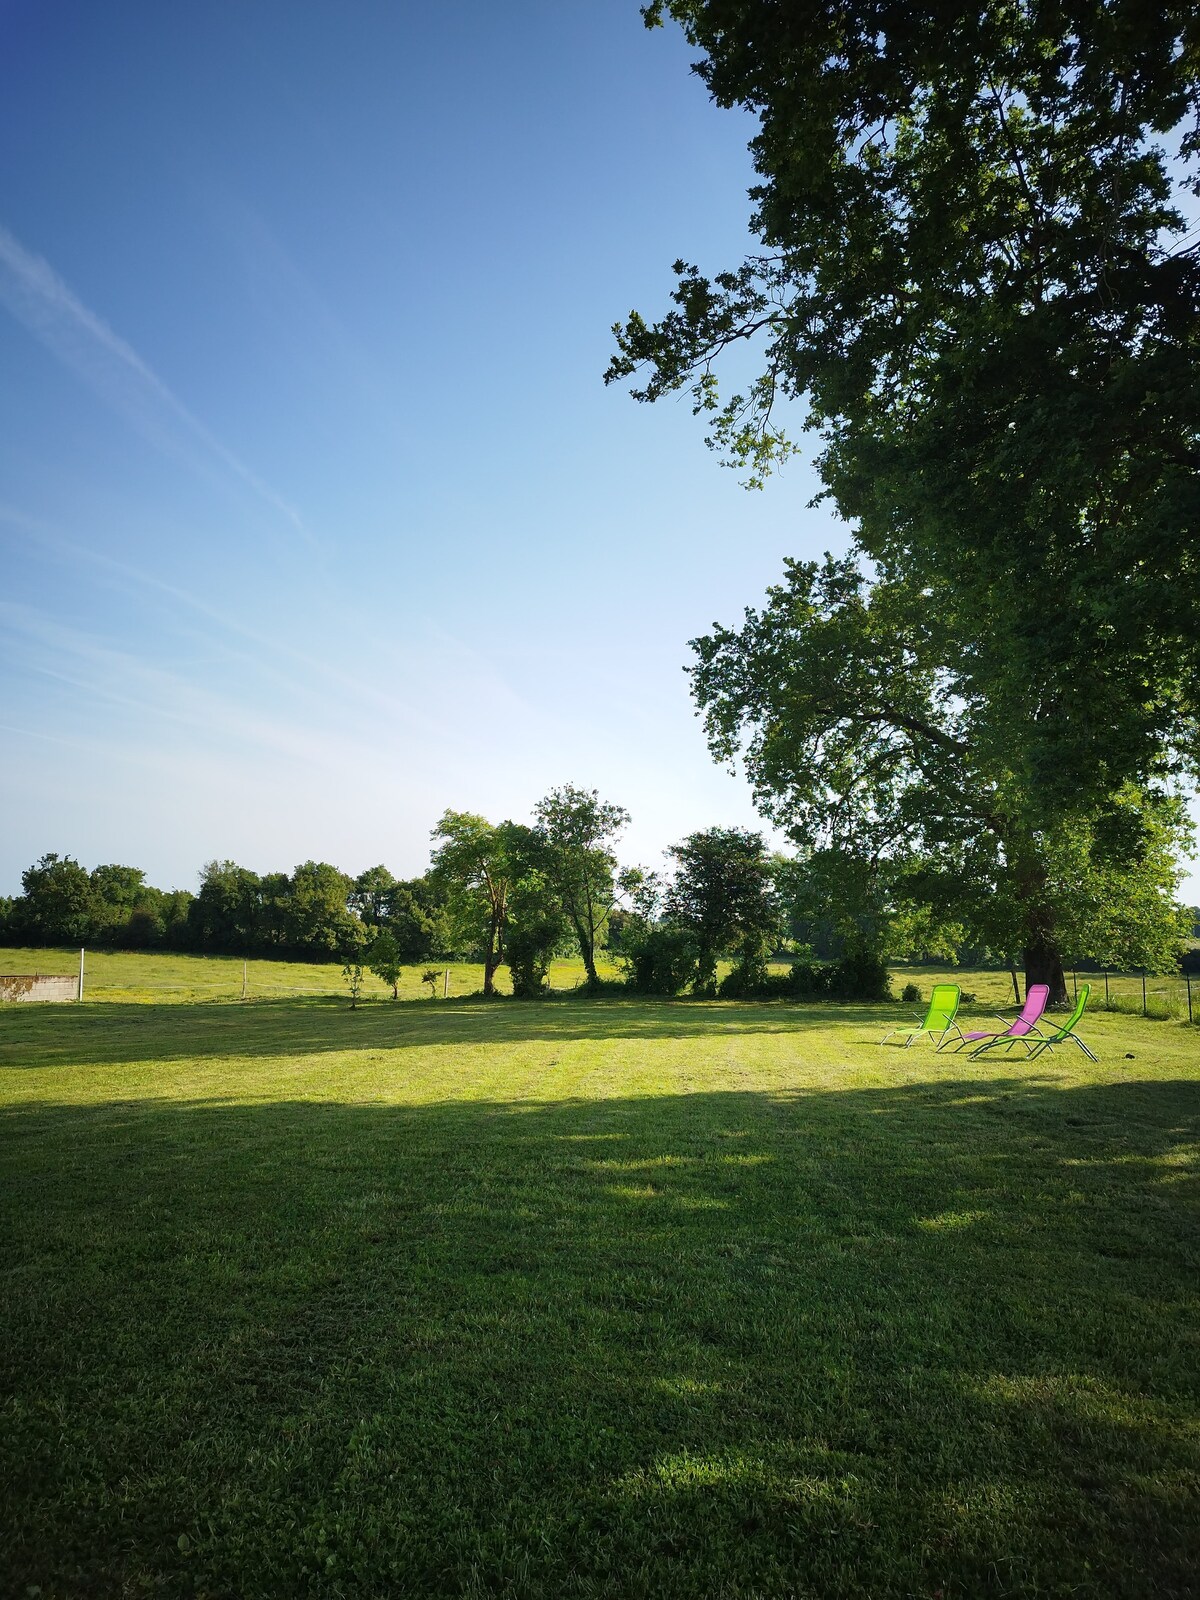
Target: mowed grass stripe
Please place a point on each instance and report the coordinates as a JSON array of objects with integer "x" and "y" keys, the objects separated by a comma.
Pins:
[{"x": 593, "y": 1299}]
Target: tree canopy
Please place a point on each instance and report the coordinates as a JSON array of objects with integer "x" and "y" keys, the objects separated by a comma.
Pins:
[
  {"x": 58, "y": 899},
  {"x": 976, "y": 274},
  {"x": 866, "y": 741}
]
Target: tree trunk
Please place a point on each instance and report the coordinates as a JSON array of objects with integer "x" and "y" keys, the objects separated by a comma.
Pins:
[
  {"x": 1043, "y": 964},
  {"x": 585, "y": 937},
  {"x": 490, "y": 962},
  {"x": 705, "y": 983}
]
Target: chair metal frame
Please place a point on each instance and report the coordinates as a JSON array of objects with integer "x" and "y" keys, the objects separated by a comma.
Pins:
[
  {"x": 946, "y": 1012},
  {"x": 1067, "y": 1029},
  {"x": 1018, "y": 1030}
]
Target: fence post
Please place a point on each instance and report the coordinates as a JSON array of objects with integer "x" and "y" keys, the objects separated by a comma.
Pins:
[
  {"x": 1106, "y": 988},
  {"x": 79, "y": 996},
  {"x": 446, "y": 983},
  {"x": 244, "y": 978},
  {"x": 1074, "y": 988},
  {"x": 1143, "y": 991},
  {"x": 1188, "y": 976}
]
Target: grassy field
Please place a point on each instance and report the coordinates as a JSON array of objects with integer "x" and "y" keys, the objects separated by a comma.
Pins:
[
  {"x": 592, "y": 1299},
  {"x": 151, "y": 975},
  {"x": 126, "y": 975}
]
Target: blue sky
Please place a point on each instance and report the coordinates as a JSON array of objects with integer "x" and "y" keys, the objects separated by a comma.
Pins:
[{"x": 315, "y": 516}]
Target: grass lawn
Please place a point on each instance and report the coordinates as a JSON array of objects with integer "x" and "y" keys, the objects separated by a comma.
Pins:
[{"x": 609, "y": 1299}]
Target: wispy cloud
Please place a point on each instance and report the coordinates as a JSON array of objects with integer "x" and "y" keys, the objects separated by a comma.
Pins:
[
  {"x": 101, "y": 674},
  {"x": 40, "y": 300},
  {"x": 305, "y": 674}
]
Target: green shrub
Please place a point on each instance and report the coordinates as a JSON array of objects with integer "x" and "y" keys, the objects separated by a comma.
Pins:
[
  {"x": 659, "y": 960},
  {"x": 529, "y": 949},
  {"x": 777, "y": 986},
  {"x": 911, "y": 993},
  {"x": 860, "y": 975},
  {"x": 535, "y": 931},
  {"x": 663, "y": 960},
  {"x": 748, "y": 978},
  {"x": 382, "y": 957},
  {"x": 809, "y": 979}
]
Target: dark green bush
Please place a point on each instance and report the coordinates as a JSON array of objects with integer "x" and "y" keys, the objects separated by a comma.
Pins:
[
  {"x": 777, "y": 986},
  {"x": 529, "y": 950},
  {"x": 663, "y": 961},
  {"x": 857, "y": 976},
  {"x": 860, "y": 975},
  {"x": 536, "y": 929},
  {"x": 806, "y": 980},
  {"x": 911, "y": 993},
  {"x": 809, "y": 979},
  {"x": 659, "y": 960},
  {"x": 748, "y": 978}
]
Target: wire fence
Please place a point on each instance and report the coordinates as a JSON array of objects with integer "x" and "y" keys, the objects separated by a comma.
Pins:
[
  {"x": 1160, "y": 997},
  {"x": 169, "y": 978},
  {"x": 1146, "y": 994},
  {"x": 154, "y": 977}
]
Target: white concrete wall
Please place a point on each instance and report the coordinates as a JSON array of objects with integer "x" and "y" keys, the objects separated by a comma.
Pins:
[{"x": 16, "y": 986}]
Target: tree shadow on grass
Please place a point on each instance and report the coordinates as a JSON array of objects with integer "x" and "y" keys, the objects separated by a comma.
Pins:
[
  {"x": 119, "y": 1032},
  {"x": 872, "y": 1342}
]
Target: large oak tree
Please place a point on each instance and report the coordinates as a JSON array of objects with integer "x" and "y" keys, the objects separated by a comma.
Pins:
[
  {"x": 976, "y": 274},
  {"x": 864, "y": 737}
]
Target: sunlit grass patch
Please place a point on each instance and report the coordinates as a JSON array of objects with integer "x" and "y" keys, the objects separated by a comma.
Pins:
[{"x": 951, "y": 1219}]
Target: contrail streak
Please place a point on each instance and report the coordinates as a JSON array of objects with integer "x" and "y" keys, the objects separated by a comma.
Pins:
[{"x": 39, "y": 299}]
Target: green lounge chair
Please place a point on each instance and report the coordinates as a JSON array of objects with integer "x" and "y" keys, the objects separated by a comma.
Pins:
[
  {"x": 1067, "y": 1029},
  {"x": 939, "y": 1019}
]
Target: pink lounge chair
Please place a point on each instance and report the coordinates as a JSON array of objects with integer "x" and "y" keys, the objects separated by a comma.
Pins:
[{"x": 1019, "y": 1031}]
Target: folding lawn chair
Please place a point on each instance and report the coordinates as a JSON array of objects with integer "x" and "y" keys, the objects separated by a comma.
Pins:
[
  {"x": 1067, "y": 1029},
  {"x": 939, "y": 1019},
  {"x": 1018, "y": 1031}
]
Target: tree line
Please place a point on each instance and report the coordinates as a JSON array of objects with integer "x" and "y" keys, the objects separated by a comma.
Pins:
[
  {"x": 520, "y": 894},
  {"x": 316, "y": 912}
]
